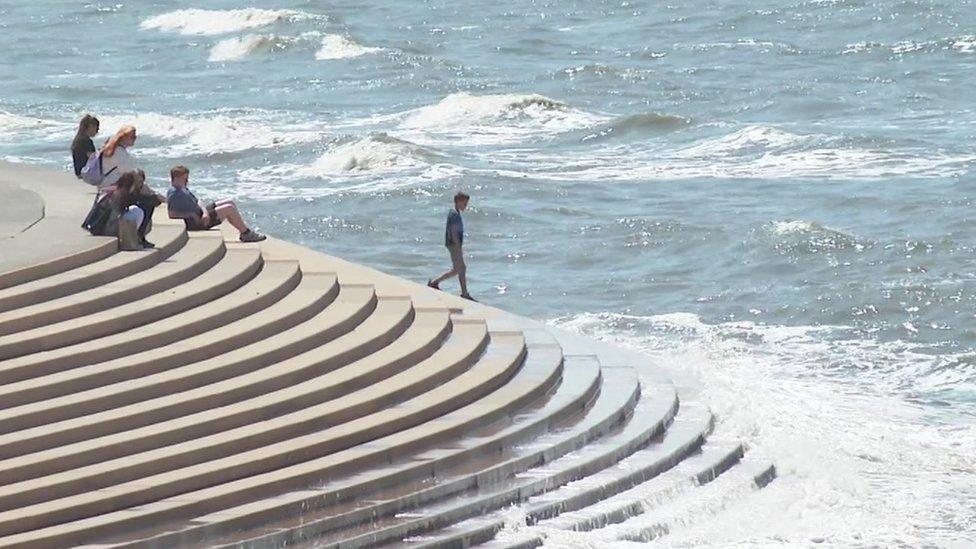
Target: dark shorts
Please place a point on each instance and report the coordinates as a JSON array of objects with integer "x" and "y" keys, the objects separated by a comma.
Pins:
[{"x": 193, "y": 225}]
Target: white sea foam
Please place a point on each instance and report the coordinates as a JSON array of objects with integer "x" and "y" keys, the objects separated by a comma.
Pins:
[
  {"x": 377, "y": 152},
  {"x": 752, "y": 152},
  {"x": 335, "y": 46},
  {"x": 375, "y": 163},
  {"x": 13, "y": 124},
  {"x": 208, "y": 134},
  {"x": 237, "y": 48},
  {"x": 807, "y": 236},
  {"x": 965, "y": 44},
  {"x": 213, "y": 22},
  {"x": 859, "y": 462},
  {"x": 467, "y": 119}
]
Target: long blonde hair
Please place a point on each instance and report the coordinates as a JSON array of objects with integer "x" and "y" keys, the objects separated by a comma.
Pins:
[{"x": 114, "y": 141}]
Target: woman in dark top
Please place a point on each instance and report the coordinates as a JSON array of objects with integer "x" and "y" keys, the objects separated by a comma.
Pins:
[{"x": 82, "y": 147}]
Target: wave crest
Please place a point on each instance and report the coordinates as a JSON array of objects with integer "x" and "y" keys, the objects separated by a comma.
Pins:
[
  {"x": 234, "y": 49},
  {"x": 213, "y": 22},
  {"x": 377, "y": 152},
  {"x": 335, "y": 46},
  {"x": 208, "y": 134},
  {"x": 481, "y": 119}
]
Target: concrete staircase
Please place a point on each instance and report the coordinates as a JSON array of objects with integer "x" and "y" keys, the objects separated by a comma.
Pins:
[{"x": 218, "y": 394}]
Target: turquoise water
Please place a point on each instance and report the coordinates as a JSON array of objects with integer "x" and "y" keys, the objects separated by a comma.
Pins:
[{"x": 774, "y": 197}]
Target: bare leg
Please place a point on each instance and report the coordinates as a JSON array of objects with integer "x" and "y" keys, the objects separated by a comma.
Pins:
[
  {"x": 436, "y": 282},
  {"x": 457, "y": 261},
  {"x": 227, "y": 211},
  {"x": 463, "y": 279}
]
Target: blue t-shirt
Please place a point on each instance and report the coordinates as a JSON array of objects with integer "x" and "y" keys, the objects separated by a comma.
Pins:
[
  {"x": 181, "y": 200},
  {"x": 454, "y": 232}
]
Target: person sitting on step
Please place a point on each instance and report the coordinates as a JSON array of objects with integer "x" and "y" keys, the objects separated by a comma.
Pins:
[
  {"x": 134, "y": 206},
  {"x": 199, "y": 215}
]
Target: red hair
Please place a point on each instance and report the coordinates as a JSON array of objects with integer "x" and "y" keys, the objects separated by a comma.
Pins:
[{"x": 114, "y": 141}]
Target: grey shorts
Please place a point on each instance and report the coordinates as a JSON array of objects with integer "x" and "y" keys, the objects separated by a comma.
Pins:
[{"x": 457, "y": 258}]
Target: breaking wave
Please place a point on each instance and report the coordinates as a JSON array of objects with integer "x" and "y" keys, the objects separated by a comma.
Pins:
[
  {"x": 208, "y": 134},
  {"x": 467, "y": 119},
  {"x": 377, "y": 152},
  {"x": 839, "y": 416},
  {"x": 234, "y": 49},
  {"x": 13, "y": 124},
  {"x": 636, "y": 124},
  {"x": 213, "y": 22},
  {"x": 753, "y": 152},
  {"x": 335, "y": 46}
]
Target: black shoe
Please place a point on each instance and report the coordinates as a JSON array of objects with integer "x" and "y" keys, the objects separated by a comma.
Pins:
[
  {"x": 468, "y": 297},
  {"x": 147, "y": 244},
  {"x": 434, "y": 285}
]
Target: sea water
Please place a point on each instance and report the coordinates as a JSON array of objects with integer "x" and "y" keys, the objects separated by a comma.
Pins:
[{"x": 775, "y": 197}]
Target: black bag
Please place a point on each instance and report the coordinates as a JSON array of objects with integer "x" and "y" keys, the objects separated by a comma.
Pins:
[{"x": 99, "y": 216}]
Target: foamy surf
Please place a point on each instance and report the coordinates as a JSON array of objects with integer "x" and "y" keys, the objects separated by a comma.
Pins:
[
  {"x": 752, "y": 152},
  {"x": 335, "y": 46},
  {"x": 838, "y": 415},
  {"x": 13, "y": 126},
  {"x": 235, "y": 49},
  {"x": 377, "y": 152},
  {"x": 209, "y": 134},
  {"x": 467, "y": 119},
  {"x": 203, "y": 22}
]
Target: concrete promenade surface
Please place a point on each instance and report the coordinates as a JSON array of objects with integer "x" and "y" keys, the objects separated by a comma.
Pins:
[{"x": 209, "y": 393}]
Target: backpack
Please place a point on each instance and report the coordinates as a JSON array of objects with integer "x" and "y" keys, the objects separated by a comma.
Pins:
[
  {"x": 92, "y": 172},
  {"x": 103, "y": 216}
]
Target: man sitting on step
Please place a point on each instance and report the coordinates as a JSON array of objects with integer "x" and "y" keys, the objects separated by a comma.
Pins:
[{"x": 198, "y": 215}]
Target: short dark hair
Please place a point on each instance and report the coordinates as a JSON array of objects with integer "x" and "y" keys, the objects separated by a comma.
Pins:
[
  {"x": 461, "y": 195},
  {"x": 177, "y": 171}
]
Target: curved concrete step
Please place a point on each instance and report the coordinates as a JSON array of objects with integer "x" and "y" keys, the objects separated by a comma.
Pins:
[
  {"x": 711, "y": 460},
  {"x": 694, "y": 505},
  {"x": 62, "y": 258},
  {"x": 41, "y": 214},
  {"x": 265, "y": 403},
  {"x": 653, "y": 413},
  {"x": 114, "y": 266},
  {"x": 178, "y": 391},
  {"x": 685, "y": 435},
  {"x": 531, "y": 382},
  {"x": 58, "y": 373},
  {"x": 236, "y": 267},
  {"x": 478, "y": 458},
  {"x": 502, "y": 359},
  {"x": 275, "y": 280},
  {"x": 198, "y": 255}
]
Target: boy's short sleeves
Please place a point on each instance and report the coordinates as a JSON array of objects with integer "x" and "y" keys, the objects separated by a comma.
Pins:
[
  {"x": 183, "y": 201},
  {"x": 454, "y": 231}
]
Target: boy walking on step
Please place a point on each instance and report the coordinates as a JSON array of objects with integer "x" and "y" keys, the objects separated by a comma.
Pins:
[{"x": 454, "y": 240}]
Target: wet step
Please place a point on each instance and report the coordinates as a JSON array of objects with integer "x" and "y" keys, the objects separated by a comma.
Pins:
[
  {"x": 653, "y": 413},
  {"x": 222, "y": 484},
  {"x": 435, "y": 473},
  {"x": 695, "y": 505},
  {"x": 685, "y": 435},
  {"x": 497, "y": 364}
]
